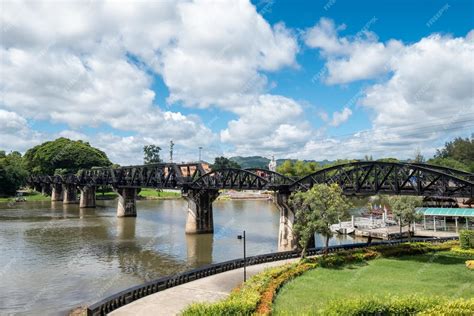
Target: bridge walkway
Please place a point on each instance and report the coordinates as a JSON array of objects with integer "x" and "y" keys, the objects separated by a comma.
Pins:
[{"x": 210, "y": 289}]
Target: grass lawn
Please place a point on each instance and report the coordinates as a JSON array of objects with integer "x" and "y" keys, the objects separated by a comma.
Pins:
[
  {"x": 441, "y": 274},
  {"x": 151, "y": 193},
  {"x": 145, "y": 193},
  {"x": 29, "y": 196}
]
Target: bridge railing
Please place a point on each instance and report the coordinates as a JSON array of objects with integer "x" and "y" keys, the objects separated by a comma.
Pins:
[{"x": 127, "y": 296}]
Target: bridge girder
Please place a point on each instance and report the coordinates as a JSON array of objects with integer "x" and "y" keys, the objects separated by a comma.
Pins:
[
  {"x": 369, "y": 178},
  {"x": 356, "y": 178}
]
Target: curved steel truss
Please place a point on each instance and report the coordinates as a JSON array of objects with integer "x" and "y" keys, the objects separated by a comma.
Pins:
[
  {"x": 356, "y": 178},
  {"x": 231, "y": 178},
  {"x": 368, "y": 178}
]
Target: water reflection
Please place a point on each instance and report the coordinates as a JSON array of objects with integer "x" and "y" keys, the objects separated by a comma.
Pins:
[{"x": 199, "y": 249}]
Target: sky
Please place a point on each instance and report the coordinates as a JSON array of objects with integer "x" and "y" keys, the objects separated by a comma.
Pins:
[{"x": 329, "y": 79}]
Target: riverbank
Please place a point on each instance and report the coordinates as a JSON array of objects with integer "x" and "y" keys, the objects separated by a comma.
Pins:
[{"x": 145, "y": 194}]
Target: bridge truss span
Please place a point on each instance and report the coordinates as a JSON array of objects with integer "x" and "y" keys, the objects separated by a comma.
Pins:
[
  {"x": 369, "y": 178},
  {"x": 237, "y": 179}
]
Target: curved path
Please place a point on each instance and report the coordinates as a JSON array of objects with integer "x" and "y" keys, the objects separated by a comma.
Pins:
[{"x": 210, "y": 289}]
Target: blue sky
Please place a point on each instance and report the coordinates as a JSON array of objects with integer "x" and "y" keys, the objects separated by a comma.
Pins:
[{"x": 298, "y": 79}]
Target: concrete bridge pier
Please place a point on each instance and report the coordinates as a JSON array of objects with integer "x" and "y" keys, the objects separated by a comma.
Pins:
[
  {"x": 57, "y": 192},
  {"x": 37, "y": 187},
  {"x": 87, "y": 199},
  {"x": 46, "y": 189},
  {"x": 287, "y": 239},
  {"x": 127, "y": 202},
  {"x": 200, "y": 218},
  {"x": 69, "y": 194}
]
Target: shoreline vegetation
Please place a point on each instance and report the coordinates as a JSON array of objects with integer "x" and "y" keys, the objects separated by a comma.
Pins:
[{"x": 145, "y": 194}]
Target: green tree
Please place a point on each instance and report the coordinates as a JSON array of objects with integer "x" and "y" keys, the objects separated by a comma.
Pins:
[
  {"x": 388, "y": 159},
  {"x": 298, "y": 168},
  {"x": 404, "y": 210},
  {"x": 450, "y": 163},
  {"x": 224, "y": 163},
  {"x": 64, "y": 155},
  {"x": 316, "y": 210},
  {"x": 151, "y": 154},
  {"x": 460, "y": 149},
  {"x": 12, "y": 173},
  {"x": 286, "y": 168}
]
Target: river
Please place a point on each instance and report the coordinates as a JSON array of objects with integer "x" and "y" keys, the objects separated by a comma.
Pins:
[{"x": 55, "y": 257}]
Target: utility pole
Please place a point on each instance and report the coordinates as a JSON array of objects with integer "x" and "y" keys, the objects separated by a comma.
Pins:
[
  {"x": 245, "y": 255},
  {"x": 200, "y": 151},
  {"x": 171, "y": 151}
]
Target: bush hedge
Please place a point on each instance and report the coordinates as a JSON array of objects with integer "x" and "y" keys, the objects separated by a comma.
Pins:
[
  {"x": 463, "y": 252},
  {"x": 394, "y": 305},
  {"x": 466, "y": 239},
  {"x": 242, "y": 300},
  {"x": 459, "y": 307}
]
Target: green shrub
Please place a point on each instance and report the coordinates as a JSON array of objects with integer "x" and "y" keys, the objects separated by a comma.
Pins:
[
  {"x": 414, "y": 248},
  {"x": 243, "y": 300},
  {"x": 391, "y": 305},
  {"x": 456, "y": 307},
  {"x": 466, "y": 239},
  {"x": 463, "y": 252}
]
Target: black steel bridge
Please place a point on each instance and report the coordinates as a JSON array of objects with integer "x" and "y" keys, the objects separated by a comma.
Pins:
[
  {"x": 201, "y": 188},
  {"x": 356, "y": 178}
]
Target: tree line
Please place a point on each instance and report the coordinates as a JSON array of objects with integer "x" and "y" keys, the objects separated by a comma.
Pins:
[
  {"x": 62, "y": 156},
  {"x": 324, "y": 205},
  {"x": 457, "y": 154}
]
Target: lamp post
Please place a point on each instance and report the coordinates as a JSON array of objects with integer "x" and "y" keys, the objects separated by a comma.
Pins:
[{"x": 245, "y": 256}]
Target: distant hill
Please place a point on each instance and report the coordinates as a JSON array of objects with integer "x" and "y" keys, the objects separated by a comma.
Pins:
[
  {"x": 251, "y": 162},
  {"x": 262, "y": 162}
]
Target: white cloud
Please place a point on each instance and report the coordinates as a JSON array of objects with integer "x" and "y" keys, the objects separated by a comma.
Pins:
[
  {"x": 427, "y": 97},
  {"x": 340, "y": 117},
  {"x": 350, "y": 58},
  {"x": 93, "y": 64},
  {"x": 15, "y": 134},
  {"x": 433, "y": 81},
  {"x": 219, "y": 52},
  {"x": 273, "y": 124}
]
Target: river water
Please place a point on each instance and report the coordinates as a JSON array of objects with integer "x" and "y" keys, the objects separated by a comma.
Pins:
[{"x": 55, "y": 257}]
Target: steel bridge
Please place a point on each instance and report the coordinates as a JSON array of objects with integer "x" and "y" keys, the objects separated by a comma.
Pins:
[
  {"x": 201, "y": 188},
  {"x": 356, "y": 178}
]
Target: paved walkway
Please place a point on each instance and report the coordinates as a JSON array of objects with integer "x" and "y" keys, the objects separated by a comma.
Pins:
[{"x": 210, "y": 289}]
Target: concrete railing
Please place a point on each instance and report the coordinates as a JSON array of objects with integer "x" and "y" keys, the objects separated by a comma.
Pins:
[{"x": 125, "y": 297}]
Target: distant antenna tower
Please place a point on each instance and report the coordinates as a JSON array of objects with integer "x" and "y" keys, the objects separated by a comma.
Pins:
[
  {"x": 171, "y": 150},
  {"x": 200, "y": 150}
]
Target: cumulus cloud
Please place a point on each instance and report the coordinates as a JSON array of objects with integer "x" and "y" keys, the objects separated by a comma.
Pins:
[
  {"x": 340, "y": 117},
  {"x": 89, "y": 64},
  {"x": 14, "y": 129},
  {"x": 218, "y": 57},
  {"x": 272, "y": 124},
  {"x": 350, "y": 58},
  {"x": 427, "y": 95},
  {"x": 433, "y": 81}
]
